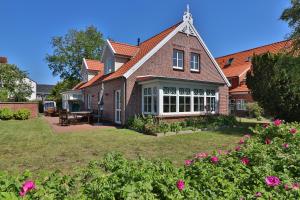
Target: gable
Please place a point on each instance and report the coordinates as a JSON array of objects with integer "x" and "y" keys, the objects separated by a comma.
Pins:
[{"x": 160, "y": 64}]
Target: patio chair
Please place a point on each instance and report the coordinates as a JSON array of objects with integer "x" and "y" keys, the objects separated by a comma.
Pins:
[{"x": 63, "y": 118}]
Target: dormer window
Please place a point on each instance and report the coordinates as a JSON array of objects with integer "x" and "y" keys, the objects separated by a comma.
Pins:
[
  {"x": 229, "y": 61},
  {"x": 178, "y": 59},
  {"x": 248, "y": 59},
  {"x": 108, "y": 66}
]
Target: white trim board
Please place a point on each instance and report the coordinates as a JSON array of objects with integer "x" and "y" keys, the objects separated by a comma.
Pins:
[{"x": 165, "y": 40}]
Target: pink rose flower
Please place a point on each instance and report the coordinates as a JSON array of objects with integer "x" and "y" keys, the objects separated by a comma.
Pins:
[
  {"x": 214, "y": 159},
  {"x": 237, "y": 148},
  {"x": 220, "y": 152},
  {"x": 272, "y": 181},
  {"x": 247, "y": 136},
  {"x": 296, "y": 186},
  {"x": 188, "y": 162},
  {"x": 293, "y": 131},
  {"x": 241, "y": 141},
  {"x": 201, "y": 155},
  {"x": 245, "y": 161},
  {"x": 285, "y": 145},
  {"x": 268, "y": 141},
  {"x": 180, "y": 185},
  {"x": 277, "y": 122},
  {"x": 265, "y": 125},
  {"x": 286, "y": 187},
  {"x": 26, "y": 187},
  {"x": 258, "y": 194}
]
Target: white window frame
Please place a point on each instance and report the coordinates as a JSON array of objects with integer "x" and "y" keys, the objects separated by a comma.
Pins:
[
  {"x": 118, "y": 111},
  {"x": 241, "y": 104},
  {"x": 195, "y": 62},
  {"x": 198, "y": 96},
  {"x": 170, "y": 95},
  {"x": 177, "y": 59},
  {"x": 185, "y": 102},
  {"x": 154, "y": 97},
  {"x": 89, "y": 101},
  {"x": 211, "y": 96}
]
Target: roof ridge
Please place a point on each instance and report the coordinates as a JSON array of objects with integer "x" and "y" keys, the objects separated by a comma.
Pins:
[
  {"x": 162, "y": 31},
  {"x": 92, "y": 59},
  {"x": 253, "y": 48},
  {"x": 123, "y": 43}
]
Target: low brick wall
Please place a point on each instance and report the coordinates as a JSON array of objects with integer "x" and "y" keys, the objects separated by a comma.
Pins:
[{"x": 33, "y": 107}]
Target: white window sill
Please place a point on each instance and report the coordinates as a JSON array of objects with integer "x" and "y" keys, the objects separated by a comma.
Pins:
[
  {"x": 194, "y": 70},
  {"x": 175, "y": 67}
]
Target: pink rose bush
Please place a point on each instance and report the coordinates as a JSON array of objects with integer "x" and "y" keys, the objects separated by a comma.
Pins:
[
  {"x": 264, "y": 166},
  {"x": 277, "y": 122}
]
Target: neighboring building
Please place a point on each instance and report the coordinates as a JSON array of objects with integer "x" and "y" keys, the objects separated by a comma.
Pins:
[
  {"x": 235, "y": 67},
  {"x": 32, "y": 83},
  {"x": 171, "y": 75},
  {"x": 43, "y": 91}
]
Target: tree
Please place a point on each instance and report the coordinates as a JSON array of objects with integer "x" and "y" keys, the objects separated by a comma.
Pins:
[
  {"x": 13, "y": 83},
  {"x": 292, "y": 16},
  {"x": 275, "y": 84},
  {"x": 69, "y": 50}
]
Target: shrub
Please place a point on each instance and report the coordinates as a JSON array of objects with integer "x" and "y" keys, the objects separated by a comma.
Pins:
[
  {"x": 175, "y": 127},
  {"x": 163, "y": 127},
  {"x": 22, "y": 114},
  {"x": 255, "y": 110},
  {"x": 256, "y": 169},
  {"x": 6, "y": 114},
  {"x": 136, "y": 123}
]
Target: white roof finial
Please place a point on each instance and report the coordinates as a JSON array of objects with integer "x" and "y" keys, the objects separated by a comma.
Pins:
[{"x": 187, "y": 15}]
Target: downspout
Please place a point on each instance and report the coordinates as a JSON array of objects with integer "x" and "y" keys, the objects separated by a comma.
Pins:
[{"x": 124, "y": 99}]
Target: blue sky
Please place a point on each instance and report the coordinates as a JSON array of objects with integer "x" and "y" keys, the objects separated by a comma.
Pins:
[{"x": 26, "y": 27}]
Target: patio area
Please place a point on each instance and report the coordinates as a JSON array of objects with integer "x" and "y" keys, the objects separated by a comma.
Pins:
[{"x": 57, "y": 128}]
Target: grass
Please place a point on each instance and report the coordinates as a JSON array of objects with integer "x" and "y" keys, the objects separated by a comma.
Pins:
[{"x": 32, "y": 145}]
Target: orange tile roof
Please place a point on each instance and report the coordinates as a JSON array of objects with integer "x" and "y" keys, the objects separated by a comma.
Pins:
[
  {"x": 241, "y": 88},
  {"x": 124, "y": 49},
  {"x": 95, "y": 65},
  {"x": 239, "y": 64},
  {"x": 144, "y": 48},
  {"x": 78, "y": 86}
]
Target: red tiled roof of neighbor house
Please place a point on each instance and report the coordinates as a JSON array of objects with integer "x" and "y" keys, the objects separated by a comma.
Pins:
[
  {"x": 241, "y": 64},
  {"x": 144, "y": 48},
  {"x": 3, "y": 60},
  {"x": 95, "y": 65},
  {"x": 124, "y": 49},
  {"x": 240, "y": 88}
]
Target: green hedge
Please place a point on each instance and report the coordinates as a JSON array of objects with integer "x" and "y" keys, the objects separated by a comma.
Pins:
[
  {"x": 264, "y": 165},
  {"x": 7, "y": 114}
]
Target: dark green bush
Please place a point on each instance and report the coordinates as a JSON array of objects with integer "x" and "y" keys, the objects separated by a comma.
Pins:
[
  {"x": 255, "y": 110},
  {"x": 6, "y": 114},
  {"x": 22, "y": 114}
]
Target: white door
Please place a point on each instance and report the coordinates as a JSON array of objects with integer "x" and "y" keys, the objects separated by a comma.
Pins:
[{"x": 118, "y": 106}]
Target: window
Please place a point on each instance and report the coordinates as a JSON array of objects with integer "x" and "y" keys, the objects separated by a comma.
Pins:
[
  {"x": 248, "y": 59},
  {"x": 109, "y": 66},
  {"x": 241, "y": 104},
  {"x": 210, "y": 100},
  {"x": 178, "y": 59},
  {"x": 230, "y": 60},
  {"x": 184, "y": 99},
  {"x": 195, "y": 62},
  {"x": 198, "y": 100},
  {"x": 150, "y": 100},
  {"x": 169, "y": 99},
  {"x": 89, "y": 101}
]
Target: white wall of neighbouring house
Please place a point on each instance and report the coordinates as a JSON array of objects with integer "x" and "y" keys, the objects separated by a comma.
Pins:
[{"x": 33, "y": 88}]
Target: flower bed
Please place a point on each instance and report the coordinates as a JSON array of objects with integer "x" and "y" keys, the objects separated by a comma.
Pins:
[{"x": 263, "y": 165}]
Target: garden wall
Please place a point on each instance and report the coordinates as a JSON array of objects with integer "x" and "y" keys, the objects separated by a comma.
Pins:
[{"x": 33, "y": 107}]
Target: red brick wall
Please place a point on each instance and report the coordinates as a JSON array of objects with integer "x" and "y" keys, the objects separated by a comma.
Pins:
[
  {"x": 33, "y": 107},
  {"x": 160, "y": 64},
  {"x": 247, "y": 97},
  {"x": 109, "y": 98}
]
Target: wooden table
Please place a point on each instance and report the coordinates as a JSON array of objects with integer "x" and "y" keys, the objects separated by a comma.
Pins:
[{"x": 83, "y": 114}]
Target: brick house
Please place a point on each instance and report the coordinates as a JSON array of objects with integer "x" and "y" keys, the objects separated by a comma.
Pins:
[
  {"x": 236, "y": 66},
  {"x": 171, "y": 75}
]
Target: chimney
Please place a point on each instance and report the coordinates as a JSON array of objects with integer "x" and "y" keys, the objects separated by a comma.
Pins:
[
  {"x": 3, "y": 60},
  {"x": 138, "y": 41}
]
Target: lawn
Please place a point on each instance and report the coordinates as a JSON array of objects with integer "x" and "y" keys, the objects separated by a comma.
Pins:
[{"x": 32, "y": 145}]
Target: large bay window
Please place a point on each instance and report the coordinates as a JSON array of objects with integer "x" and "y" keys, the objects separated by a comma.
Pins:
[
  {"x": 184, "y": 99},
  {"x": 169, "y": 99},
  {"x": 150, "y": 100},
  {"x": 241, "y": 104},
  {"x": 198, "y": 100},
  {"x": 210, "y": 100}
]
